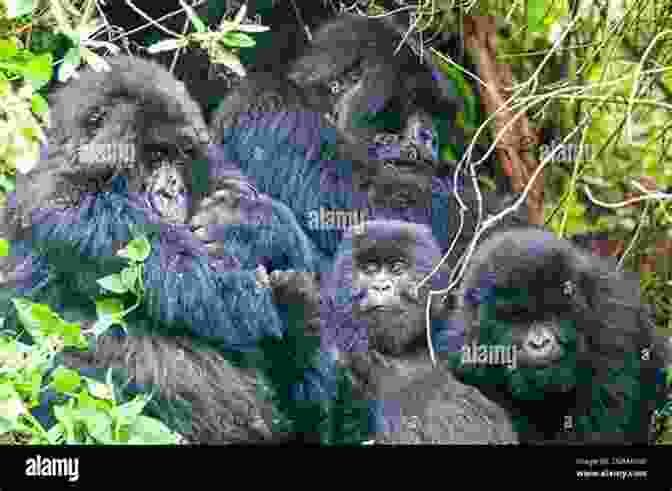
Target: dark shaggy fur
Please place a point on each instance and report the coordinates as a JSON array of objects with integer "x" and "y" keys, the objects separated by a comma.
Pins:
[
  {"x": 588, "y": 362},
  {"x": 387, "y": 352},
  {"x": 129, "y": 149},
  {"x": 274, "y": 126}
]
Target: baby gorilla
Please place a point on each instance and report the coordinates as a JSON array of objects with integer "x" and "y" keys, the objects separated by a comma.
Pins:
[
  {"x": 128, "y": 153},
  {"x": 372, "y": 318},
  {"x": 584, "y": 361}
]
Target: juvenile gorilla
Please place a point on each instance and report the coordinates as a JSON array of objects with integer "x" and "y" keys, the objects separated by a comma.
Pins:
[
  {"x": 128, "y": 152},
  {"x": 348, "y": 130},
  {"x": 585, "y": 357},
  {"x": 373, "y": 319}
]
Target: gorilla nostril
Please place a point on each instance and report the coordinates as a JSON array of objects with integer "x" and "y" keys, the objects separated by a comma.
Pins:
[
  {"x": 539, "y": 343},
  {"x": 382, "y": 288}
]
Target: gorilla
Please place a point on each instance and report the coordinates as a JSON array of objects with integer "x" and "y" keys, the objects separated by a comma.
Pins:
[
  {"x": 372, "y": 320},
  {"x": 347, "y": 128},
  {"x": 129, "y": 153},
  {"x": 560, "y": 339}
]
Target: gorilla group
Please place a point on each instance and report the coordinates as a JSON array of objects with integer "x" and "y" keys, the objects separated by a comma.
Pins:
[
  {"x": 373, "y": 320},
  {"x": 239, "y": 224},
  {"x": 553, "y": 344},
  {"x": 347, "y": 129}
]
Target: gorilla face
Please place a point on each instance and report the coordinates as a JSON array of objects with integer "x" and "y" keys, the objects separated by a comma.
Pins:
[
  {"x": 136, "y": 122},
  {"x": 564, "y": 314},
  {"x": 546, "y": 342},
  {"x": 373, "y": 284},
  {"x": 388, "y": 304}
]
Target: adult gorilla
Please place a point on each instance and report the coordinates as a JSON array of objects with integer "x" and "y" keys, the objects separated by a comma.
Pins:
[{"x": 128, "y": 153}]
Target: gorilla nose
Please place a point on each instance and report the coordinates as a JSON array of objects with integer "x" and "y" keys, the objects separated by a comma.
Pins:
[
  {"x": 382, "y": 287},
  {"x": 539, "y": 344}
]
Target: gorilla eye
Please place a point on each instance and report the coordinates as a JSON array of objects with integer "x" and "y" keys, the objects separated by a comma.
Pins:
[
  {"x": 335, "y": 86},
  {"x": 95, "y": 118},
  {"x": 371, "y": 268},
  {"x": 398, "y": 267},
  {"x": 157, "y": 154}
]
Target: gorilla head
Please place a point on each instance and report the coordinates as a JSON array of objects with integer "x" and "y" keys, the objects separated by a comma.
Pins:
[
  {"x": 372, "y": 288},
  {"x": 375, "y": 94},
  {"x": 585, "y": 355}
]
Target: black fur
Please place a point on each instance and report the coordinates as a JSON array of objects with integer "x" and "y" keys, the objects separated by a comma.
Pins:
[
  {"x": 587, "y": 367},
  {"x": 129, "y": 149},
  {"x": 274, "y": 125},
  {"x": 386, "y": 351}
]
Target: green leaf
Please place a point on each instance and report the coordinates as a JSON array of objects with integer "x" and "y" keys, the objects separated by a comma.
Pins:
[
  {"x": 113, "y": 283},
  {"x": 11, "y": 405},
  {"x": 55, "y": 434},
  {"x": 71, "y": 332},
  {"x": 17, "y": 8},
  {"x": 104, "y": 323},
  {"x": 6, "y": 425},
  {"x": 98, "y": 390},
  {"x": 129, "y": 412},
  {"x": 4, "y": 248},
  {"x": 39, "y": 70},
  {"x": 109, "y": 307},
  {"x": 65, "y": 415},
  {"x": 536, "y": 11},
  {"x": 145, "y": 430},
  {"x": 35, "y": 385},
  {"x": 237, "y": 40},
  {"x": 24, "y": 313},
  {"x": 47, "y": 320},
  {"x": 7, "y": 184},
  {"x": 193, "y": 17},
  {"x": 98, "y": 424},
  {"x": 39, "y": 105},
  {"x": 129, "y": 277},
  {"x": 138, "y": 249},
  {"x": 70, "y": 63},
  {"x": 8, "y": 48},
  {"x": 65, "y": 380}
]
